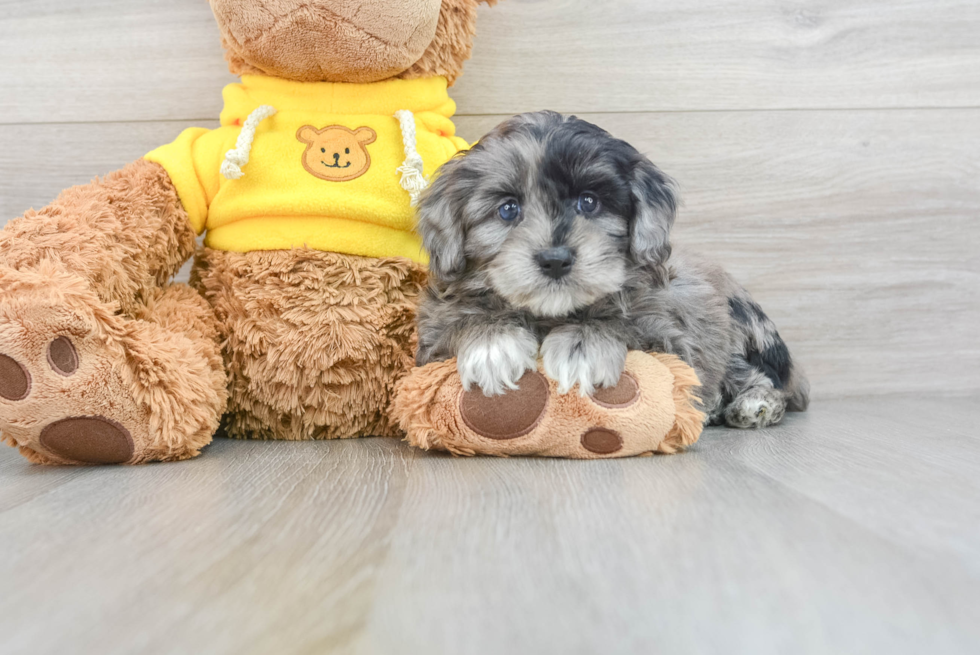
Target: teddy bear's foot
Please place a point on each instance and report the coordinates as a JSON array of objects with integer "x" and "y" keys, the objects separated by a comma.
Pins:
[
  {"x": 651, "y": 409},
  {"x": 80, "y": 384}
]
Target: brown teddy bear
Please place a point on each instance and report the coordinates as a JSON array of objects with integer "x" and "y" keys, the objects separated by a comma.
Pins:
[{"x": 299, "y": 320}]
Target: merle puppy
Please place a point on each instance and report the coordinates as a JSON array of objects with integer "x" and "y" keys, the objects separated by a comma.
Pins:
[{"x": 552, "y": 236}]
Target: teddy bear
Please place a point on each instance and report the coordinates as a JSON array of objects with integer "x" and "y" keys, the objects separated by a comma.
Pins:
[{"x": 299, "y": 317}]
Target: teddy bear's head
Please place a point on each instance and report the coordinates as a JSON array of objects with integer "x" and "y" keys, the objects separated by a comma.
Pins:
[{"x": 347, "y": 40}]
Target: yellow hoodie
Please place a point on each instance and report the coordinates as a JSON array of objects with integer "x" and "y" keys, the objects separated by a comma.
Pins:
[{"x": 323, "y": 168}]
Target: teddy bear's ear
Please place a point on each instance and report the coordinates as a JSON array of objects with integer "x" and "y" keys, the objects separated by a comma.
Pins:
[
  {"x": 365, "y": 135},
  {"x": 306, "y": 134}
]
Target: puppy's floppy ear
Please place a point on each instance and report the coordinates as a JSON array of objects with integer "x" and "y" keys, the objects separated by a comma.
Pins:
[
  {"x": 654, "y": 208},
  {"x": 440, "y": 221}
]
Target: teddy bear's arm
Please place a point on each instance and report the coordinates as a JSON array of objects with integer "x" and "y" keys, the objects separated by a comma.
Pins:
[{"x": 125, "y": 233}]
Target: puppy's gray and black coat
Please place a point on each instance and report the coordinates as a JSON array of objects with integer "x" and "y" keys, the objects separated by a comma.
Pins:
[{"x": 552, "y": 236}]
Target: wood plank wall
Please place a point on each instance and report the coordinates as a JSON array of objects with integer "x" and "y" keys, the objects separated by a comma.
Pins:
[{"x": 828, "y": 151}]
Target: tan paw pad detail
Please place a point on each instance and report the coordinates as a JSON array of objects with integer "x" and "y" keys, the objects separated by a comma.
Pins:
[
  {"x": 62, "y": 356},
  {"x": 89, "y": 439},
  {"x": 15, "y": 381},
  {"x": 625, "y": 393},
  {"x": 509, "y": 415},
  {"x": 602, "y": 441}
]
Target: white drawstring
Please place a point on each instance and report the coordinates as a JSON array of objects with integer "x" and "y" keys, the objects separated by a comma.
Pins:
[
  {"x": 231, "y": 167},
  {"x": 413, "y": 179}
]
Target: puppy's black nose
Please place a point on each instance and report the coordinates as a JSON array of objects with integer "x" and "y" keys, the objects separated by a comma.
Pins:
[{"x": 555, "y": 262}]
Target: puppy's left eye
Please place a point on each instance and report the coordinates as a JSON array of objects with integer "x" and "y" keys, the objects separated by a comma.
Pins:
[
  {"x": 588, "y": 203},
  {"x": 510, "y": 210}
]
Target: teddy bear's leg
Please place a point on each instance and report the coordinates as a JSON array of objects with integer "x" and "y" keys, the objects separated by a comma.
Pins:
[
  {"x": 651, "y": 409},
  {"x": 124, "y": 234},
  {"x": 82, "y": 384},
  {"x": 314, "y": 341},
  {"x": 98, "y": 363}
]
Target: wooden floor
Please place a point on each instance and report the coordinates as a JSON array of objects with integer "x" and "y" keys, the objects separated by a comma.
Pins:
[{"x": 854, "y": 528}]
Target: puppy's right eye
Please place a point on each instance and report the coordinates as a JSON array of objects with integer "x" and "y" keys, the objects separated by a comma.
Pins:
[{"x": 510, "y": 210}]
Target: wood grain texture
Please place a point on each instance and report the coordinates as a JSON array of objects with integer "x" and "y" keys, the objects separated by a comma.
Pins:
[
  {"x": 850, "y": 529},
  {"x": 857, "y": 231},
  {"x": 197, "y": 558},
  {"x": 638, "y": 55},
  {"x": 125, "y": 60},
  {"x": 110, "y": 60}
]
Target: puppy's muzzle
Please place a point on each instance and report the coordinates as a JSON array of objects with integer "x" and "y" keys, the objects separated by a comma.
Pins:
[{"x": 556, "y": 263}]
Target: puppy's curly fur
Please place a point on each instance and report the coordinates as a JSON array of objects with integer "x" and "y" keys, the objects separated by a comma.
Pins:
[{"x": 550, "y": 236}]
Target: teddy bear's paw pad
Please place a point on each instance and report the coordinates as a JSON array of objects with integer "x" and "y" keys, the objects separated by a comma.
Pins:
[
  {"x": 88, "y": 439},
  {"x": 15, "y": 381},
  {"x": 61, "y": 394},
  {"x": 510, "y": 415},
  {"x": 602, "y": 441},
  {"x": 62, "y": 356},
  {"x": 625, "y": 393}
]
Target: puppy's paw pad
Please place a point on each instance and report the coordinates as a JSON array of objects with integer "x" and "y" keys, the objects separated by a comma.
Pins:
[
  {"x": 510, "y": 415},
  {"x": 602, "y": 441},
  {"x": 625, "y": 393},
  {"x": 755, "y": 410},
  {"x": 89, "y": 439}
]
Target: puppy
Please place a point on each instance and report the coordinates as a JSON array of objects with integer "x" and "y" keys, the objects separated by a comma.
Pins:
[{"x": 550, "y": 236}]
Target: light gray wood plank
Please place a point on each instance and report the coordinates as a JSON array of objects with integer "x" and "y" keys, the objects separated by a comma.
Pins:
[
  {"x": 638, "y": 55},
  {"x": 849, "y": 529},
  {"x": 851, "y": 458},
  {"x": 31, "y": 177},
  {"x": 712, "y": 552},
  {"x": 855, "y": 230},
  {"x": 254, "y": 545},
  {"x": 109, "y": 60},
  {"x": 124, "y": 60},
  {"x": 20, "y": 485}
]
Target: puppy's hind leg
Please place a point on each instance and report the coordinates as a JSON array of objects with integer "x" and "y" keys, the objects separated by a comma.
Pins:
[
  {"x": 755, "y": 403},
  {"x": 761, "y": 381}
]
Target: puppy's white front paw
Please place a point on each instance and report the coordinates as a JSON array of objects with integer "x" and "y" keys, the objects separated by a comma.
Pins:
[
  {"x": 495, "y": 360},
  {"x": 573, "y": 355}
]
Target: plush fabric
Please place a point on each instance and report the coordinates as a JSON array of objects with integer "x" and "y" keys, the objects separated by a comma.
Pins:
[
  {"x": 280, "y": 202},
  {"x": 336, "y": 41},
  {"x": 651, "y": 410},
  {"x": 365, "y": 47},
  {"x": 314, "y": 341},
  {"x": 158, "y": 376},
  {"x": 452, "y": 44},
  {"x": 125, "y": 233}
]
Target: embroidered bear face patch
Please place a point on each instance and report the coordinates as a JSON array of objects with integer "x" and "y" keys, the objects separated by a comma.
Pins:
[{"x": 336, "y": 153}]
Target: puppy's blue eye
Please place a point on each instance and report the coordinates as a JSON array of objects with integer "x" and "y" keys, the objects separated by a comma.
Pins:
[
  {"x": 510, "y": 210},
  {"x": 588, "y": 203}
]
